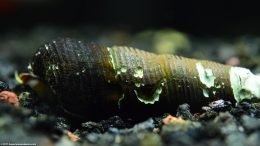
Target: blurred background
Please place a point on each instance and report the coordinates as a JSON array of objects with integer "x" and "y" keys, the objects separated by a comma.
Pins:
[
  {"x": 227, "y": 32},
  {"x": 198, "y": 18}
]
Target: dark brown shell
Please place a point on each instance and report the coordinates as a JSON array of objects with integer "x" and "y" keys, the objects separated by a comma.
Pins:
[
  {"x": 77, "y": 73},
  {"x": 94, "y": 81}
]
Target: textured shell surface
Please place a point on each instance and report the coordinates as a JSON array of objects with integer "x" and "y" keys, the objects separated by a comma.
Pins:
[{"x": 91, "y": 80}]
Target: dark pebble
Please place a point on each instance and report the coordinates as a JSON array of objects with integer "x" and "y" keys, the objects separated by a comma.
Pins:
[{"x": 183, "y": 111}]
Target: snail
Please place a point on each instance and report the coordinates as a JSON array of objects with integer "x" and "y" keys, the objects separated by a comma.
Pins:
[{"x": 93, "y": 81}]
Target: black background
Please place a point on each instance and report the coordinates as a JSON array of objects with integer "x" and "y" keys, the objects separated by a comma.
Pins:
[{"x": 210, "y": 18}]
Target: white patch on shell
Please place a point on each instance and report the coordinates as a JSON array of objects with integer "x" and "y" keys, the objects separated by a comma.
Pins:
[
  {"x": 120, "y": 100},
  {"x": 138, "y": 85},
  {"x": 156, "y": 95},
  {"x": 110, "y": 51},
  {"x": 139, "y": 72},
  {"x": 152, "y": 100},
  {"x": 205, "y": 92},
  {"x": 244, "y": 83},
  {"x": 123, "y": 69},
  {"x": 206, "y": 75}
]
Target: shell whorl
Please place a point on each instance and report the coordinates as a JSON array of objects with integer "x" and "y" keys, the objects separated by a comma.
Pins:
[{"x": 76, "y": 72}]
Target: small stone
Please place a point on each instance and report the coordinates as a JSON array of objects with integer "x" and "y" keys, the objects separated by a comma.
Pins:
[
  {"x": 183, "y": 111},
  {"x": 3, "y": 86},
  {"x": 236, "y": 139},
  {"x": 220, "y": 105},
  {"x": 92, "y": 138},
  {"x": 250, "y": 124},
  {"x": 151, "y": 140},
  {"x": 253, "y": 139}
]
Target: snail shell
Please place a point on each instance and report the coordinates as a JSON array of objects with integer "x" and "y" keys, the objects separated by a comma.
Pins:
[{"x": 95, "y": 81}]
